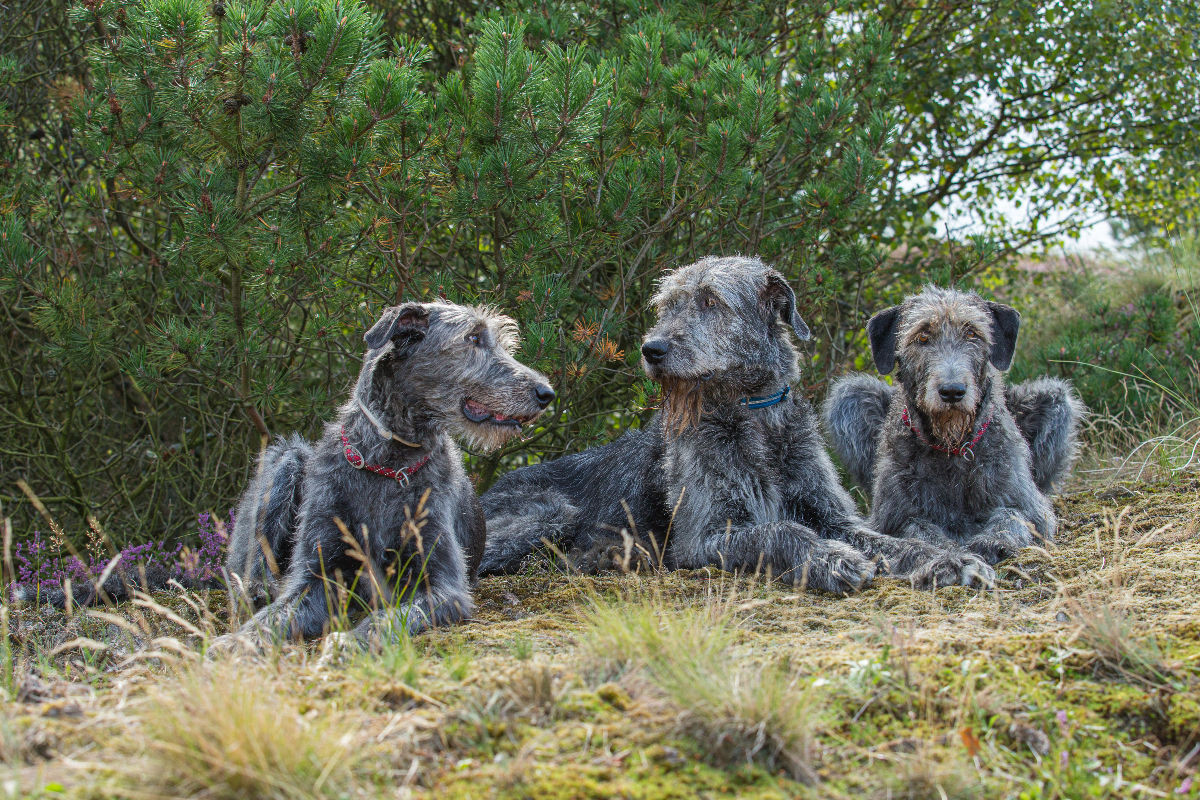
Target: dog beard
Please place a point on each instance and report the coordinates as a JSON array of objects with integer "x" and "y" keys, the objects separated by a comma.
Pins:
[
  {"x": 682, "y": 404},
  {"x": 952, "y": 427}
]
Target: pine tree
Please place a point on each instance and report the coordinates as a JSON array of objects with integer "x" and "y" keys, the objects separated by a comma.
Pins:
[{"x": 274, "y": 173}]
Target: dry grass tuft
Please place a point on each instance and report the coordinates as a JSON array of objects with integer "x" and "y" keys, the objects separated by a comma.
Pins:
[
  {"x": 624, "y": 635},
  {"x": 925, "y": 777},
  {"x": 223, "y": 733},
  {"x": 1120, "y": 649},
  {"x": 738, "y": 712},
  {"x": 741, "y": 714},
  {"x": 535, "y": 688}
]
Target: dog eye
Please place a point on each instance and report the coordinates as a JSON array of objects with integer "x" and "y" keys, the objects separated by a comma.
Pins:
[
  {"x": 923, "y": 338},
  {"x": 710, "y": 301},
  {"x": 971, "y": 334},
  {"x": 473, "y": 338}
]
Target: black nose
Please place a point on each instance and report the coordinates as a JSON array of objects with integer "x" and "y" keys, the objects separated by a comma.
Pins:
[
  {"x": 655, "y": 350},
  {"x": 952, "y": 392},
  {"x": 544, "y": 395}
]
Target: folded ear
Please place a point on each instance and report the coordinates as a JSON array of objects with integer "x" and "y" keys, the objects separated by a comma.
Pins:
[
  {"x": 409, "y": 318},
  {"x": 881, "y": 330},
  {"x": 1006, "y": 321},
  {"x": 778, "y": 297}
]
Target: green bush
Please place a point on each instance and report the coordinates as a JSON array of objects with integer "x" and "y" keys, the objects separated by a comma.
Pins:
[
  {"x": 197, "y": 222},
  {"x": 1128, "y": 337},
  {"x": 267, "y": 177}
]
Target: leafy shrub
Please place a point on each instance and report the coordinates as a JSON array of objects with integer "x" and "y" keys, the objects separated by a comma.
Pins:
[
  {"x": 1132, "y": 350},
  {"x": 267, "y": 177}
]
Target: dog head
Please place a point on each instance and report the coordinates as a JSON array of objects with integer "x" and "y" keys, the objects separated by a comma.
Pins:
[
  {"x": 451, "y": 367},
  {"x": 724, "y": 331},
  {"x": 948, "y": 348}
]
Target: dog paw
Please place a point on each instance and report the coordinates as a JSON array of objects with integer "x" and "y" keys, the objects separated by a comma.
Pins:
[
  {"x": 610, "y": 556},
  {"x": 954, "y": 569},
  {"x": 836, "y": 568},
  {"x": 993, "y": 550}
]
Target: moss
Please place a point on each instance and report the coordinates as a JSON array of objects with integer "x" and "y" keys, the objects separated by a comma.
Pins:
[
  {"x": 614, "y": 695},
  {"x": 645, "y": 775},
  {"x": 1183, "y": 716}
]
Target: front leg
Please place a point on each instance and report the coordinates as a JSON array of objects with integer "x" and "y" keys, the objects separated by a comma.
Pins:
[
  {"x": 433, "y": 589},
  {"x": 305, "y": 605},
  {"x": 1006, "y": 531},
  {"x": 791, "y": 551},
  {"x": 299, "y": 613},
  {"x": 923, "y": 553},
  {"x": 925, "y": 564},
  {"x": 424, "y": 611}
]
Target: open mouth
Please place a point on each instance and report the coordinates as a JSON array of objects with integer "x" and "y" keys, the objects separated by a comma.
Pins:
[{"x": 482, "y": 415}]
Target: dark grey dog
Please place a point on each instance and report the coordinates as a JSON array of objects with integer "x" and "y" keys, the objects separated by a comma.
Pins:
[
  {"x": 732, "y": 472},
  {"x": 949, "y": 454},
  {"x": 379, "y": 510}
]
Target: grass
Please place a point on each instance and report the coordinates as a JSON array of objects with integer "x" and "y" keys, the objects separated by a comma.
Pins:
[
  {"x": 1076, "y": 677},
  {"x": 1126, "y": 331},
  {"x": 228, "y": 732},
  {"x": 1120, "y": 649},
  {"x": 736, "y": 710}
]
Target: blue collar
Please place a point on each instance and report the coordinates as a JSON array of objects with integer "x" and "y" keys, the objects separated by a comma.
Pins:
[{"x": 768, "y": 401}]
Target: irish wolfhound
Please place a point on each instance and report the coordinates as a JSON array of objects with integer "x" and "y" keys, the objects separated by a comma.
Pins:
[
  {"x": 732, "y": 472},
  {"x": 949, "y": 454},
  {"x": 379, "y": 513}
]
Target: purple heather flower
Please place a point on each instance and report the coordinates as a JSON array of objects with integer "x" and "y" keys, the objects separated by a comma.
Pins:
[{"x": 37, "y": 569}]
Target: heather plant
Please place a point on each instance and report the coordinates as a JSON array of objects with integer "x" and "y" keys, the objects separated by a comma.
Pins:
[{"x": 40, "y": 563}]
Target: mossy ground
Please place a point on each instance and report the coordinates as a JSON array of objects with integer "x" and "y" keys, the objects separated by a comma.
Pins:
[{"x": 1079, "y": 676}]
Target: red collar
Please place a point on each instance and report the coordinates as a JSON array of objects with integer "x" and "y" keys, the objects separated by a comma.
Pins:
[
  {"x": 966, "y": 449},
  {"x": 355, "y": 459}
]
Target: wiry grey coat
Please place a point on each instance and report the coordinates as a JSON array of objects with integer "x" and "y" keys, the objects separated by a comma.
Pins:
[
  {"x": 949, "y": 350},
  {"x": 322, "y": 537},
  {"x": 711, "y": 481}
]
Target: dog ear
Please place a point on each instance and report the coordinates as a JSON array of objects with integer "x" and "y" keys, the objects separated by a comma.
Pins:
[
  {"x": 1006, "y": 321},
  {"x": 779, "y": 298},
  {"x": 881, "y": 330},
  {"x": 411, "y": 318}
]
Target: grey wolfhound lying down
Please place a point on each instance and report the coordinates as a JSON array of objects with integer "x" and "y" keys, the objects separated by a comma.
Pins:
[
  {"x": 379, "y": 509},
  {"x": 732, "y": 472},
  {"x": 949, "y": 454}
]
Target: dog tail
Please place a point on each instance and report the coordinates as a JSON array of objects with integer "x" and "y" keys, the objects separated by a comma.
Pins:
[
  {"x": 854, "y": 414},
  {"x": 519, "y": 524},
  {"x": 1048, "y": 412},
  {"x": 261, "y": 545}
]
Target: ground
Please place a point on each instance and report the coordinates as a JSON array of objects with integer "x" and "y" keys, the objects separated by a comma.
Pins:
[{"x": 1078, "y": 676}]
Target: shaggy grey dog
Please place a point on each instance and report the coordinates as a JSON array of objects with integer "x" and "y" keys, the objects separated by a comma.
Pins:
[
  {"x": 378, "y": 514},
  {"x": 732, "y": 472},
  {"x": 949, "y": 454}
]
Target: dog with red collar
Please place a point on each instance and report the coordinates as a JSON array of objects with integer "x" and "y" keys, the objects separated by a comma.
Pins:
[
  {"x": 948, "y": 453},
  {"x": 377, "y": 519}
]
